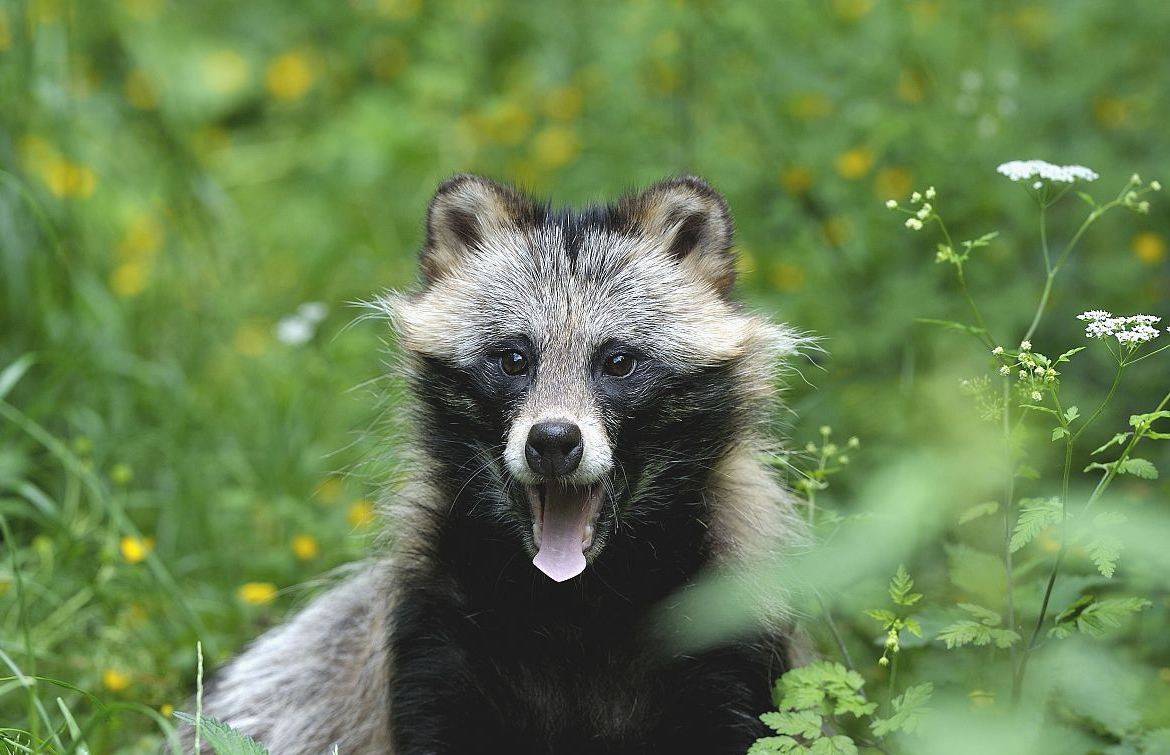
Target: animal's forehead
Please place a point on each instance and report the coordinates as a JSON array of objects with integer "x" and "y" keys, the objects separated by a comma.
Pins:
[{"x": 576, "y": 291}]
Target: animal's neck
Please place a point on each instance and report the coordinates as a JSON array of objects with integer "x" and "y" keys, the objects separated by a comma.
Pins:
[{"x": 651, "y": 554}]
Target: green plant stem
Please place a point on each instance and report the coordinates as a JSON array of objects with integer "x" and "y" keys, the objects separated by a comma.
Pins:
[
  {"x": 1051, "y": 270},
  {"x": 836, "y": 634},
  {"x": 1008, "y": 512},
  {"x": 1102, "y": 484},
  {"x": 893, "y": 679}
]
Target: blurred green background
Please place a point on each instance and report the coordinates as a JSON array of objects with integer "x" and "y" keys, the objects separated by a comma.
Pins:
[{"x": 190, "y": 447}]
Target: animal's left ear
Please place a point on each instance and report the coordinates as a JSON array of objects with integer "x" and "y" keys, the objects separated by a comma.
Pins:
[{"x": 695, "y": 224}]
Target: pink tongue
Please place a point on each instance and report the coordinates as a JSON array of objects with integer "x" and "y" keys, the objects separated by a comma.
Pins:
[{"x": 566, "y": 512}]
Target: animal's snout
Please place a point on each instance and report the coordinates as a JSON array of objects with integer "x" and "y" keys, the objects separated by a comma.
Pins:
[{"x": 554, "y": 448}]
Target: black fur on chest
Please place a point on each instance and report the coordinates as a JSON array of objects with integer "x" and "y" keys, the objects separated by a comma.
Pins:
[{"x": 489, "y": 655}]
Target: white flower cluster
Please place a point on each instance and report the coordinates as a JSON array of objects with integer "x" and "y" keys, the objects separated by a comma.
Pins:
[
  {"x": 1132, "y": 330},
  {"x": 298, "y": 329},
  {"x": 1023, "y": 170}
]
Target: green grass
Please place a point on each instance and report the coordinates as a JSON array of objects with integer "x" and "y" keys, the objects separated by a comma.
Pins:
[{"x": 179, "y": 176}]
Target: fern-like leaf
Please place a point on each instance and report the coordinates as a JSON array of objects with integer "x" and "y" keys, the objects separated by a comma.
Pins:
[{"x": 1036, "y": 514}]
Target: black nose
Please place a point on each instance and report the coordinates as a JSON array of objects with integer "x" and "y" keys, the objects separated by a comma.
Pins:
[{"x": 554, "y": 448}]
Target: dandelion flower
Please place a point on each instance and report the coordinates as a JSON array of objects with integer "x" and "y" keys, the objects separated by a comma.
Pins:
[
  {"x": 257, "y": 593},
  {"x": 361, "y": 514},
  {"x": 1023, "y": 170},
  {"x": 136, "y": 549},
  {"x": 305, "y": 547},
  {"x": 115, "y": 680}
]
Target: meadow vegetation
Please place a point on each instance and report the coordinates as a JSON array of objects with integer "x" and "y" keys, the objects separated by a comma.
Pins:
[{"x": 194, "y": 425}]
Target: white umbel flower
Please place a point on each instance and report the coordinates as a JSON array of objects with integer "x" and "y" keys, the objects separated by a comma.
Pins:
[
  {"x": 1131, "y": 330},
  {"x": 1024, "y": 170}
]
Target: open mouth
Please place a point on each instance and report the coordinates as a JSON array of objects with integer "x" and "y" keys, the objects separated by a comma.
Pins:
[{"x": 563, "y": 522}]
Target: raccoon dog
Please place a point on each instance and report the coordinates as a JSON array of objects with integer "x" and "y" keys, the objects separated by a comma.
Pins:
[{"x": 589, "y": 403}]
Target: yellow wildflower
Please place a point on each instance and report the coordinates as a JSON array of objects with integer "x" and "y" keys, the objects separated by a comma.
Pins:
[
  {"x": 257, "y": 593},
  {"x": 556, "y": 146},
  {"x": 399, "y": 10},
  {"x": 893, "y": 182},
  {"x": 167, "y": 710},
  {"x": 251, "y": 339},
  {"x": 143, "y": 237},
  {"x": 128, "y": 279},
  {"x": 796, "y": 179},
  {"x": 136, "y": 549},
  {"x": 810, "y": 106},
  {"x": 787, "y": 278},
  {"x": 361, "y": 514},
  {"x": 852, "y": 10},
  {"x": 290, "y": 76},
  {"x": 855, "y": 163},
  {"x": 564, "y": 103},
  {"x": 305, "y": 547},
  {"x": 114, "y": 680},
  {"x": 911, "y": 86},
  {"x": 1149, "y": 247},
  {"x": 330, "y": 490}
]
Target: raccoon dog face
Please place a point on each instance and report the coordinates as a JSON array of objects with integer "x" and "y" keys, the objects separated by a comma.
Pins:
[{"x": 578, "y": 371}]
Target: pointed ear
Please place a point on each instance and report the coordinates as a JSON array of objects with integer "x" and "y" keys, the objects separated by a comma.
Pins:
[
  {"x": 695, "y": 225},
  {"x": 463, "y": 212}
]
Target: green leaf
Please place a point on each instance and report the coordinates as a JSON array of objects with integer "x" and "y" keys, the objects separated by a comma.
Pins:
[
  {"x": 1086, "y": 199},
  {"x": 1145, "y": 420},
  {"x": 900, "y": 588},
  {"x": 909, "y": 708},
  {"x": 1104, "y": 550},
  {"x": 14, "y": 372},
  {"x": 881, "y": 615},
  {"x": 983, "y": 240},
  {"x": 1038, "y": 408},
  {"x": 837, "y": 745},
  {"x": 978, "y": 510},
  {"x": 1059, "y": 432},
  {"x": 1066, "y": 356},
  {"x": 1036, "y": 514},
  {"x": 809, "y": 686},
  {"x": 1095, "y": 618},
  {"x": 1115, "y": 440},
  {"x": 801, "y": 723},
  {"x": 913, "y": 627},
  {"x": 1071, "y": 413},
  {"x": 968, "y": 632},
  {"x": 224, "y": 739},
  {"x": 1138, "y": 467},
  {"x": 951, "y": 325},
  {"x": 985, "y": 615},
  {"x": 767, "y": 745}
]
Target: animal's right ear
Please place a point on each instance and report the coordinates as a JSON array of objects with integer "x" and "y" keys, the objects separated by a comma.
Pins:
[{"x": 464, "y": 211}]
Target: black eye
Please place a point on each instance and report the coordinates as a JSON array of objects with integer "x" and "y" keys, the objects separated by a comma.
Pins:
[
  {"x": 619, "y": 365},
  {"x": 513, "y": 363}
]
